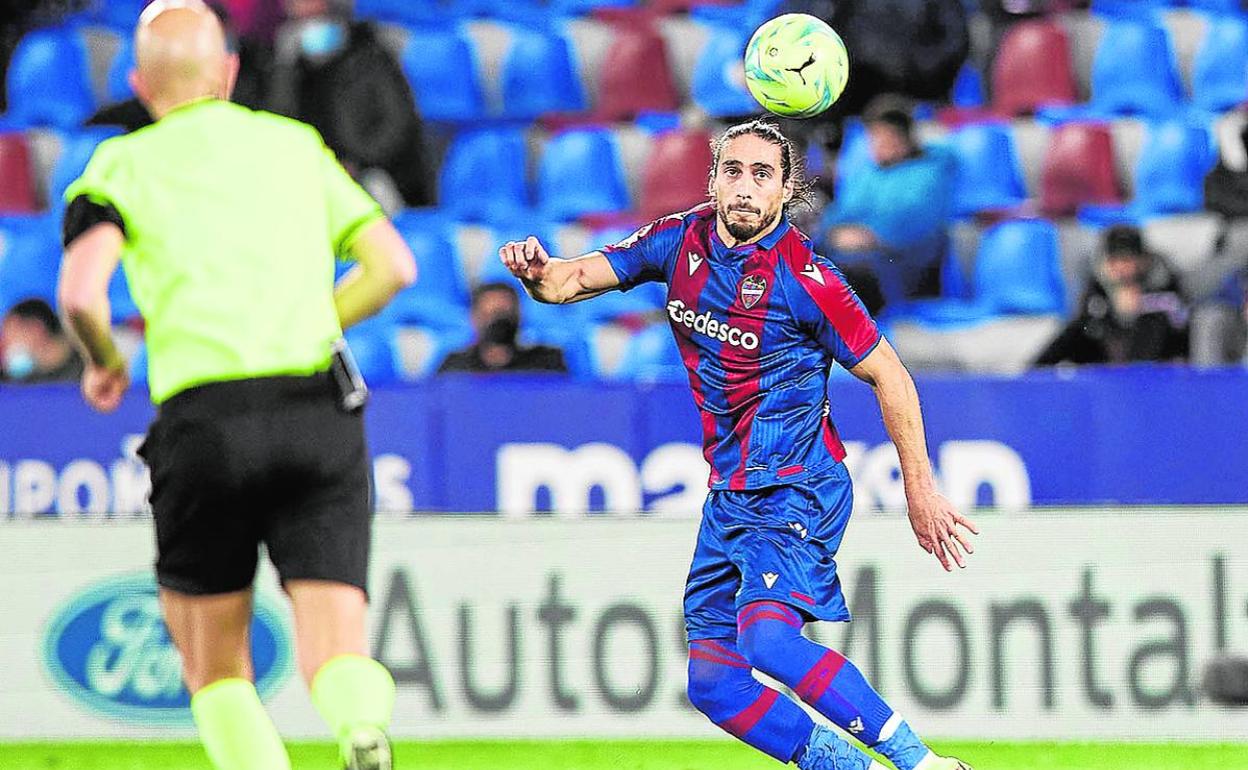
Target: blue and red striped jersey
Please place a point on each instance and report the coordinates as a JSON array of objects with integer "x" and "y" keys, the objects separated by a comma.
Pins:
[{"x": 758, "y": 328}]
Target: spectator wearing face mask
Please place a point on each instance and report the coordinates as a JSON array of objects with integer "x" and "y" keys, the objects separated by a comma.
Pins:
[
  {"x": 336, "y": 74},
  {"x": 495, "y": 316},
  {"x": 1133, "y": 310},
  {"x": 32, "y": 347}
]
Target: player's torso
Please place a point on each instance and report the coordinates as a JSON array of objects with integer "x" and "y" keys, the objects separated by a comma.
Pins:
[{"x": 759, "y": 377}]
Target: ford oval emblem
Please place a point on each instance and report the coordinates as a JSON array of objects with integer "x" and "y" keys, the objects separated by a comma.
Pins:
[{"x": 108, "y": 648}]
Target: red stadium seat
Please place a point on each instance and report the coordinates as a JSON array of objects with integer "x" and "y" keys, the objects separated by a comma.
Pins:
[
  {"x": 1032, "y": 69},
  {"x": 674, "y": 178},
  {"x": 17, "y": 187},
  {"x": 1078, "y": 169},
  {"x": 635, "y": 75}
]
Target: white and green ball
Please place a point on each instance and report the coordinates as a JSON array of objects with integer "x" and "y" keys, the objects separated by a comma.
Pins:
[{"x": 796, "y": 65}]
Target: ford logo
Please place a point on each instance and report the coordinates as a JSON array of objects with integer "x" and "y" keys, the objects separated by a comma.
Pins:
[{"x": 109, "y": 648}]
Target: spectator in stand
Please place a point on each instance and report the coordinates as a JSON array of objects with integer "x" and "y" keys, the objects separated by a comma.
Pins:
[
  {"x": 33, "y": 349},
  {"x": 1133, "y": 310},
  {"x": 495, "y": 316},
  {"x": 1226, "y": 186},
  {"x": 336, "y": 74},
  {"x": 887, "y": 228}
]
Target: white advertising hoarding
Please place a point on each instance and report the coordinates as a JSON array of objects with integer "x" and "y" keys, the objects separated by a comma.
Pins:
[{"x": 1071, "y": 625}]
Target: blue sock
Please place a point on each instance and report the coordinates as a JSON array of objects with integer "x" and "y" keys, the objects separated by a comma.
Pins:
[
  {"x": 770, "y": 635},
  {"x": 829, "y": 751},
  {"x": 722, "y": 687}
]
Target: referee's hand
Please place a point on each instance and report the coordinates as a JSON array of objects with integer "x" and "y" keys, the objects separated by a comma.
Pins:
[
  {"x": 525, "y": 259},
  {"x": 103, "y": 386}
]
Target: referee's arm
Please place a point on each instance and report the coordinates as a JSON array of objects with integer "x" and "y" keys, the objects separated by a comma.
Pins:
[
  {"x": 90, "y": 260},
  {"x": 384, "y": 266}
]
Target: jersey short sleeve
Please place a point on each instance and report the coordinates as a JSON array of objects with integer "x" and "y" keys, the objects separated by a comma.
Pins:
[
  {"x": 647, "y": 254},
  {"x": 348, "y": 206},
  {"x": 103, "y": 183},
  {"x": 832, "y": 311}
]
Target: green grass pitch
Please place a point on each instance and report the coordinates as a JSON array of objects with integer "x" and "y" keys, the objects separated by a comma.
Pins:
[{"x": 626, "y": 755}]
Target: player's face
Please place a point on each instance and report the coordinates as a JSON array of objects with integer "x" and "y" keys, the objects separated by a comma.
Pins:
[{"x": 749, "y": 191}]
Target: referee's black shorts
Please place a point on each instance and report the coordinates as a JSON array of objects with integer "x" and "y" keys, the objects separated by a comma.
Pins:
[{"x": 269, "y": 460}]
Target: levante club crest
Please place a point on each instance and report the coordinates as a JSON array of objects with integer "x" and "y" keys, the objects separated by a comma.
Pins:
[{"x": 752, "y": 289}]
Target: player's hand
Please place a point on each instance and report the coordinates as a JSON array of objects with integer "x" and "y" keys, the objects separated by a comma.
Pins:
[
  {"x": 525, "y": 259},
  {"x": 103, "y": 386},
  {"x": 935, "y": 523}
]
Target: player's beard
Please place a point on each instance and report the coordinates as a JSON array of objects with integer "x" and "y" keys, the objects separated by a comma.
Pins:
[{"x": 742, "y": 231}]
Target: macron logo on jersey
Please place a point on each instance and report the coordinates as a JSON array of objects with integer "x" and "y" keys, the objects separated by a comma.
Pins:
[
  {"x": 695, "y": 261},
  {"x": 712, "y": 327},
  {"x": 812, "y": 272}
]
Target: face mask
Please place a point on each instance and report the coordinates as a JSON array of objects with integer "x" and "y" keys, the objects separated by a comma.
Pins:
[
  {"x": 18, "y": 363},
  {"x": 501, "y": 331},
  {"x": 321, "y": 38}
]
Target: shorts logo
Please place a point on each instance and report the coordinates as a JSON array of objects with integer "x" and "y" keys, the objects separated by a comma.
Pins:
[
  {"x": 856, "y": 726},
  {"x": 107, "y": 647},
  {"x": 752, "y": 290},
  {"x": 799, "y": 529},
  {"x": 704, "y": 323},
  {"x": 770, "y": 578}
]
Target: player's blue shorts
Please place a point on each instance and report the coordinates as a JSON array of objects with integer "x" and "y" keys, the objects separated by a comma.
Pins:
[{"x": 775, "y": 544}]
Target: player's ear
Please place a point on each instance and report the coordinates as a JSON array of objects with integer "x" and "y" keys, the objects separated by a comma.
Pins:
[
  {"x": 139, "y": 86},
  {"x": 231, "y": 75},
  {"x": 789, "y": 189}
]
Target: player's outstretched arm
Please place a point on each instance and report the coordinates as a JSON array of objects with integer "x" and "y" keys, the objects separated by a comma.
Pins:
[
  {"x": 557, "y": 281},
  {"x": 933, "y": 517}
]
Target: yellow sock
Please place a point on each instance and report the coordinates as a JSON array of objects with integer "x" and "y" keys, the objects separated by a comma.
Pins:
[{"x": 235, "y": 729}]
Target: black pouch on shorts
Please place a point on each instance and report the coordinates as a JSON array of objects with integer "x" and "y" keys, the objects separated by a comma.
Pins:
[{"x": 350, "y": 390}]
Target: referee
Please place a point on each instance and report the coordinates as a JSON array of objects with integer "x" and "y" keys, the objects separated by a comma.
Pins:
[{"x": 228, "y": 223}]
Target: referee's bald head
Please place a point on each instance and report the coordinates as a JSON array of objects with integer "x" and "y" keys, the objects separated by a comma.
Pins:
[{"x": 180, "y": 56}]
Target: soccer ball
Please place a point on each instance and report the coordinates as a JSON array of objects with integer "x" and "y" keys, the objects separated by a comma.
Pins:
[{"x": 796, "y": 65}]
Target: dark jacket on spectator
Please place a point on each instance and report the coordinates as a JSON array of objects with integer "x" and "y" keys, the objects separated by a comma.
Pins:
[{"x": 538, "y": 358}]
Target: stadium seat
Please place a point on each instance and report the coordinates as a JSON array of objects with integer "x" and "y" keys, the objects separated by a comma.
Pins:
[
  {"x": 48, "y": 82},
  {"x": 1032, "y": 69},
  {"x": 583, "y": 7},
  {"x": 76, "y": 151},
  {"x": 1078, "y": 168},
  {"x": 652, "y": 357},
  {"x": 29, "y": 259},
  {"x": 439, "y": 298},
  {"x": 538, "y": 76},
  {"x": 118, "y": 86},
  {"x": 17, "y": 186},
  {"x": 1129, "y": 8},
  {"x": 719, "y": 76},
  {"x": 674, "y": 177},
  {"x": 1018, "y": 269},
  {"x": 1220, "y": 70},
  {"x": 1134, "y": 70},
  {"x": 1219, "y": 6},
  {"x": 579, "y": 174},
  {"x": 400, "y": 11},
  {"x": 968, "y": 88},
  {"x": 373, "y": 345},
  {"x": 483, "y": 177},
  {"x": 747, "y": 15},
  {"x": 635, "y": 75},
  {"x": 855, "y": 152},
  {"x": 121, "y": 15},
  {"x": 442, "y": 69},
  {"x": 988, "y": 177},
  {"x": 1170, "y": 174}
]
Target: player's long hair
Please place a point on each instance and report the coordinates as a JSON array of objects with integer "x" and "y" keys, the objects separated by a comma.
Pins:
[{"x": 792, "y": 166}]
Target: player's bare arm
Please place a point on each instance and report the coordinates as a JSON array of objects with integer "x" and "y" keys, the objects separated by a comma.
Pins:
[
  {"x": 384, "y": 267},
  {"x": 557, "y": 281},
  {"x": 933, "y": 517},
  {"x": 88, "y": 265}
]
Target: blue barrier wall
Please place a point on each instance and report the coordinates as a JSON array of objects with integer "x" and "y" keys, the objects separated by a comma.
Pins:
[{"x": 1134, "y": 436}]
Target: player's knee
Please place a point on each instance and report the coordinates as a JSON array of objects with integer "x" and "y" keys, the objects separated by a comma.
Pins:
[
  {"x": 713, "y": 685},
  {"x": 702, "y": 690},
  {"x": 767, "y": 644}
]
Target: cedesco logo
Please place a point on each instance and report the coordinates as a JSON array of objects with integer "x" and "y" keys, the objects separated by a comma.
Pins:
[
  {"x": 710, "y": 326},
  {"x": 108, "y": 648}
]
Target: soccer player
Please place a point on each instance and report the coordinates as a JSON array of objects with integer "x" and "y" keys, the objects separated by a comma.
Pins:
[
  {"x": 759, "y": 318},
  {"x": 228, "y": 222}
]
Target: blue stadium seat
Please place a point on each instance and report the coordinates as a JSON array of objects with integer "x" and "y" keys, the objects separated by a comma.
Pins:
[
  {"x": 539, "y": 76},
  {"x": 439, "y": 298},
  {"x": 48, "y": 82},
  {"x": 372, "y": 343},
  {"x": 442, "y": 69},
  {"x": 989, "y": 176},
  {"x": 1170, "y": 173},
  {"x": 580, "y": 173},
  {"x": 1220, "y": 70},
  {"x": 401, "y": 11},
  {"x": 1218, "y": 6},
  {"x": 855, "y": 153},
  {"x": 118, "y": 87},
  {"x": 652, "y": 357},
  {"x": 718, "y": 76},
  {"x": 121, "y": 15},
  {"x": 968, "y": 88},
  {"x": 29, "y": 259},
  {"x": 1017, "y": 272},
  {"x": 1018, "y": 269},
  {"x": 483, "y": 177},
  {"x": 746, "y": 15},
  {"x": 583, "y": 7},
  {"x": 1134, "y": 70},
  {"x": 76, "y": 151},
  {"x": 1129, "y": 8}
]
